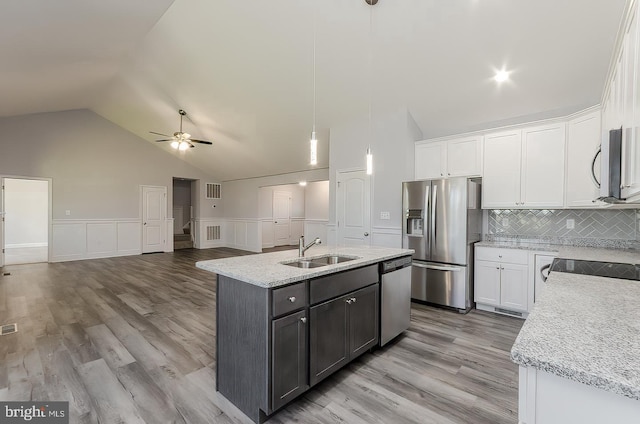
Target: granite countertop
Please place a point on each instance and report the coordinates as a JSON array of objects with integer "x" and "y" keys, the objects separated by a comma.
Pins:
[
  {"x": 266, "y": 270},
  {"x": 519, "y": 244},
  {"x": 586, "y": 328}
]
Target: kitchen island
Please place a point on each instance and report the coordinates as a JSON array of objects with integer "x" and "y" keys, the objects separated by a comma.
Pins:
[
  {"x": 284, "y": 324},
  {"x": 579, "y": 350}
]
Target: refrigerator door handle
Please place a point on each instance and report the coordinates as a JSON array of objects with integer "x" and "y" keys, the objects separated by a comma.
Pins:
[
  {"x": 434, "y": 218},
  {"x": 438, "y": 267}
]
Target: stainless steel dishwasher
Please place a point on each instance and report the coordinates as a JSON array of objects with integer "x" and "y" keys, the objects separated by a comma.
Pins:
[{"x": 395, "y": 297}]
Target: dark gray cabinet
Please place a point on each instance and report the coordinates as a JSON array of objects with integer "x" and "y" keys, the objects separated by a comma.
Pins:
[
  {"x": 273, "y": 344},
  {"x": 341, "y": 330},
  {"x": 289, "y": 358}
]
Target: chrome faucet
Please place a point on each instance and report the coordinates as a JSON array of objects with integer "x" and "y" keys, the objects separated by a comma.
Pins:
[{"x": 302, "y": 248}]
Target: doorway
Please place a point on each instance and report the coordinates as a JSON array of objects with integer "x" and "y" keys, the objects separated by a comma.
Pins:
[
  {"x": 25, "y": 228},
  {"x": 353, "y": 208},
  {"x": 183, "y": 203}
]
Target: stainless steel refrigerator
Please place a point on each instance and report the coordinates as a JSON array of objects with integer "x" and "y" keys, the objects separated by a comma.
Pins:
[{"x": 442, "y": 220}]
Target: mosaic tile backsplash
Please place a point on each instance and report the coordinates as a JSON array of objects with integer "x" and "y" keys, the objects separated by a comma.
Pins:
[{"x": 623, "y": 225}]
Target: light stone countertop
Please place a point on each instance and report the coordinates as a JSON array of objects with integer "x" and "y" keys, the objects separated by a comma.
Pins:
[
  {"x": 523, "y": 245},
  {"x": 266, "y": 270},
  {"x": 586, "y": 328}
]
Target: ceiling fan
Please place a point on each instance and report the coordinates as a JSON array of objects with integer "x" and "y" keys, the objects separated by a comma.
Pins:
[{"x": 180, "y": 140}]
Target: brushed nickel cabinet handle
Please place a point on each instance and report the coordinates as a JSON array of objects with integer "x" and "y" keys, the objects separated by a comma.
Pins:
[
  {"x": 304, "y": 320},
  {"x": 292, "y": 299}
]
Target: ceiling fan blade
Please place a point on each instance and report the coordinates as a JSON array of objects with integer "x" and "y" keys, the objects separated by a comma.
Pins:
[
  {"x": 157, "y": 133},
  {"x": 167, "y": 139},
  {"x": 200, "y": 141}
]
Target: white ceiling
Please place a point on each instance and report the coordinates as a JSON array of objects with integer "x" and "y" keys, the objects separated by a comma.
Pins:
[{"x": 243, "y": 69}]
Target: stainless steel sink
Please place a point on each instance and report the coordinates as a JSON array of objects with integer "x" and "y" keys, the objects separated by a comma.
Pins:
[
  {"x": 304, "y": 263},
  {"x": 320, "y": 261},
  {"x": 332, "y": 259}
]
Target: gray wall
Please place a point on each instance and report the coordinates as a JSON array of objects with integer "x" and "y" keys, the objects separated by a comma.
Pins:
[
  {"x": 242, "y": 198},
  {"x": 96, "y": 167},
  {"x": 316, "y": 200},
  {"x": 266, "y": 200},
  {"x": 392, "y": 145}
]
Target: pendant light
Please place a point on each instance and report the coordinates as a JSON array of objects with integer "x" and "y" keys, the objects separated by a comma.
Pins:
[
  {"x": 369, "y": 155},
  {"x": 313, "y": 156}
]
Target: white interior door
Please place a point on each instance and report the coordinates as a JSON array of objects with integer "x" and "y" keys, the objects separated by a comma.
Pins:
[
  {"x": 353, "y": 202},
  {"x": 153, "y": 217},
  {"x": 281, "y": 217},
  {"x": 2, "y": 223}
]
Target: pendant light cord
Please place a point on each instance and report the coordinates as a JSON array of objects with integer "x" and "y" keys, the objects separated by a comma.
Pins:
[
  {"x": 314, "y": 66},
  {"x": 370, "y": 71}
]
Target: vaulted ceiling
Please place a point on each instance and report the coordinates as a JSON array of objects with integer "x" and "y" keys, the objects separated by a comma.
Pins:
[{"x": 243, "y": 70}]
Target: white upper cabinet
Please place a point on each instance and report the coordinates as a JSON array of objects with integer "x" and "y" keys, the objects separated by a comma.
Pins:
[
  {"x": 501, "y": 179},
  {"x": 431, "y": 159},
  {"x": 524, "y": 168},
  {"x": 583, "y": 143},
  {"x": 630, "y": 111},
  {"x": 464, "y": 157},
  {"x": 449, "y": 158},
  {"x": 542, "y": 184}
]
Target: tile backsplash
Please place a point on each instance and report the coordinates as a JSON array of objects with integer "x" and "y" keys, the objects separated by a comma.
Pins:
[{"x": 623, "y": 225}]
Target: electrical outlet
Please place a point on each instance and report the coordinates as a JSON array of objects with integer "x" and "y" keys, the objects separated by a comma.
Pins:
[
  {"x": 571, "y": 224},
  {"x": 67, "y": 212},
  {"x": 385, "y": 215},
  {"x": 505, "y": 222}
]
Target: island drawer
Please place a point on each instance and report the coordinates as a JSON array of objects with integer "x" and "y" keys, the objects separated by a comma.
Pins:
[
  {"x": 289, "y": 298},
  {"x": 334, "y": 285}
]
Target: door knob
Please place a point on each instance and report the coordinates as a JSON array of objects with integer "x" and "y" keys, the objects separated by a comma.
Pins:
[
  {"x": 366, "y": 234},
  {"x": 144, "y": 223}
]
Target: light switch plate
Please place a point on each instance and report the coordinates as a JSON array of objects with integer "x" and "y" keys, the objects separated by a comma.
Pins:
[
  {"x": 385, "y": 215},
  {"x": 67, "y": 212},
  {"x": 571, "y": 224}
]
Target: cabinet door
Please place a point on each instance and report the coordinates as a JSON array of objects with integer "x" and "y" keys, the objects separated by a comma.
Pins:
[
  {"x": 542, "y": 183},
  {"x": 464, "y": 157},
  {"x": 513, "y": 286},
  {"x": 289, "y": 358},
  {"x": 583, "y": 143},
  {"x": 328, "y": 338},
  {"x": 363, "y": 320},
  {"x": 487, "y": 283},
  {"x": 430, "y": 160},
  {"x": 631, "y": 121},
  {"x": 501, "y": 179}
]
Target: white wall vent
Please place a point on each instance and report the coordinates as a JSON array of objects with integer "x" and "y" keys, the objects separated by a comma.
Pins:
[
  {"x": 214, "y": 191},
  {"x": 213, "y": 232}
]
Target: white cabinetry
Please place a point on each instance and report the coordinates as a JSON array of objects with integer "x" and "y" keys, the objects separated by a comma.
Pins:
[
  {"x": 583, "y": 142},
  {"x": 460, "y": 157},
  {"x": 430, "y": 160},
  {"x": 501, "y": 282},
  {"x": 524, "y": 168}
]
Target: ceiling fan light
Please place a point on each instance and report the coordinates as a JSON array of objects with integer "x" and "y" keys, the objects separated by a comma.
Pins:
[
  {"x": 183, "y": 145},
  {"x": 186, "y": 136},
  {"x": 175, "y": 144}
]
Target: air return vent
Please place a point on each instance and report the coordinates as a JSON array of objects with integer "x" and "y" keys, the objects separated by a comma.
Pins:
[
  {"x": 8, "y": 329},
  {"x": 214, "y": 191},
  {"x": 213, "y": 232}
]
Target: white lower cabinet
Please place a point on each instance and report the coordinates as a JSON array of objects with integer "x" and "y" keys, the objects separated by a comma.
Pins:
[{"x": 501, "y": 280}]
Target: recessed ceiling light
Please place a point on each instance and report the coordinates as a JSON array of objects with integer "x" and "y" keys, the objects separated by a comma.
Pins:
[
  {"x": 303, "y": 183},
  {"x": 501, "y": 76}
]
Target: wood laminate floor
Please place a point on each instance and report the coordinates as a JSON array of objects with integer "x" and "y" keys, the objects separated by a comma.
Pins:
[{"x": 132, "y": 340}]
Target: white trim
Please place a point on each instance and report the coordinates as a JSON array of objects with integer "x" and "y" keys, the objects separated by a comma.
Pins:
[
  {"x": 75, "y": 239},
  {"x": 200, "y": 230},
  {"x": 25, "y": 245}
]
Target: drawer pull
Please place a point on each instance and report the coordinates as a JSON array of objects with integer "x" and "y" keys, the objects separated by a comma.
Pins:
[{"x": 292, "y": 299}]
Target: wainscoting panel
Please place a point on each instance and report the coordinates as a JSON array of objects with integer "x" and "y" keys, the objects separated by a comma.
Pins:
[
  {"x": 101, "y": 239},
  {"x": 210, "y": 232},
  {"x": 296, "y": 230},
  {"x": 386, "y": 237},
  {"x": 316, "y": 228},
  {"x": 267, "y": 233},
  {"x": 244, "y": 234},
  {"x": 78, "y": 239}
]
